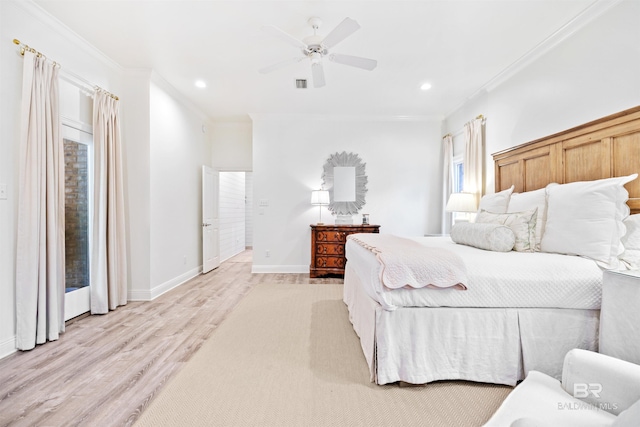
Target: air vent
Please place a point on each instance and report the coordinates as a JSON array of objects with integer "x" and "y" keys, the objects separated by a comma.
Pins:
[{"x": 301, "y": 83}]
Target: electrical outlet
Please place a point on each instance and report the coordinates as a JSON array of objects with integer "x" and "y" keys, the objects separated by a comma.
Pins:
[
  {"x": 3, "y": 191},
  {"x": 267, "y": 254},
  {"x": 184, "y": 260}
]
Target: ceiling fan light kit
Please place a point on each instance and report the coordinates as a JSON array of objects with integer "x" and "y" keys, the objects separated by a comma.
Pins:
[{"x": 315, "y": 48}]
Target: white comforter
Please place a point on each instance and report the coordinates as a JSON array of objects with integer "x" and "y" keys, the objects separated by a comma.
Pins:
[
  {"x": 495, "y": 279},
  {"x": 407, "y": 263}
]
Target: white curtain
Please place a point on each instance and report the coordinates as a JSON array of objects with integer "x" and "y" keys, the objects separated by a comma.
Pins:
[
  {"x": 447, "y": 181},
  {"x": 473, "y": 158},
  {"x": 40, "y": 257},
  {"x": 108, "y": 255}
]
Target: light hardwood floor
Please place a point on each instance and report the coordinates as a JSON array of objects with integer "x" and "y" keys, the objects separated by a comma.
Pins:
[{"x": 104, "y": 370}]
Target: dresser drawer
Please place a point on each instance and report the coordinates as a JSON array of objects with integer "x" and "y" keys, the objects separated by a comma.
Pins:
[
  {"x": 330, "y": 262},
  {"x": 330, "y": 249},
  {"x": 331, "y": 236}
]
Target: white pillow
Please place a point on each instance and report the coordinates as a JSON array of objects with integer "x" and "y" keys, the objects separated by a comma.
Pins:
[
  {"x": 496, "y": 202},
  {"x": 492, "y": 237},
  {"x": 629, "y": 417},
  {"x": 631, "y": 242},
  {"x": 523, "y": 225},
  {"x": 585, "y": 218},
  {"x": 537, "y": 199}
]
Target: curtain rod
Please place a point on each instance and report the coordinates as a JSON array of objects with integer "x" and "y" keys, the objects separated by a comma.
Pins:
[
  {"x": 480, "y": 116},
  {"x": 26, "y": 48}
]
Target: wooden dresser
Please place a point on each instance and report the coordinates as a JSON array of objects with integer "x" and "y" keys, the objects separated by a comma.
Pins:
[{"x": 327, "y": 247}]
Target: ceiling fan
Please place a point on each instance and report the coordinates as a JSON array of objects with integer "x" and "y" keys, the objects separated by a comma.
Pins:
[{"x": 316, "y": 47}]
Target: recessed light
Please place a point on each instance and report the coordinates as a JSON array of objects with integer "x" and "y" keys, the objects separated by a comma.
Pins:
[
  {"x": 201, "y": 84},
  {"x": 426, "y": 86}
]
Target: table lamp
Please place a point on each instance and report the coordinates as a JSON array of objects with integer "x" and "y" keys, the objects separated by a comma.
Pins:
[{"x": 320, "y": 198}]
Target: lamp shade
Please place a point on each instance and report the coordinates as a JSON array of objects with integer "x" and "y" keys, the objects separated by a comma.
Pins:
[
  {"x": 320, "y": 197},
  {"x": 462, "y": 202}
]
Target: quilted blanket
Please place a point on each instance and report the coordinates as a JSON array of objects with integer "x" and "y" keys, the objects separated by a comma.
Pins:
[{"x": 408, "y": 264}]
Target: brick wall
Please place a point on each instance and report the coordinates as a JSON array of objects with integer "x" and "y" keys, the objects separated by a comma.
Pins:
[{"x": 76, "y": 214}]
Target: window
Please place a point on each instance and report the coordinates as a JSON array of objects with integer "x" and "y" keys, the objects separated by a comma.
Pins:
[
  {"x": 78, "y": 152},
  {"x": 458, "y": 174},
  {"x": 76, "y": 156},
  {"x": 458, "y": 182}
]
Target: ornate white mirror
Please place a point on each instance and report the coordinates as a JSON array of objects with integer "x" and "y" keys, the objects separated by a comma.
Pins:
[{"x": 345, "y": 178}]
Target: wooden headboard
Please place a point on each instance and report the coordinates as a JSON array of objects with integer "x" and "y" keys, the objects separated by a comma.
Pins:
[{"x": 602, "y": 148}]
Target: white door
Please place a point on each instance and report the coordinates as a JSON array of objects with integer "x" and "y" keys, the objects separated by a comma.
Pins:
[
  {"x": 210, "y": 221},
  {"x": 78, "y": 142}
]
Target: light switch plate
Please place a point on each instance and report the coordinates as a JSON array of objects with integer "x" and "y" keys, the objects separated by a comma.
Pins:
[{"x": 3, "y": 191}]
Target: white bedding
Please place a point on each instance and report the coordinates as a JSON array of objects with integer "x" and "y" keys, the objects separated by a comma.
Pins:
[
  {"x": 495, "y": 279},
  {"x": 408, "y": 264},
  {"x": 493, "y": 345}
]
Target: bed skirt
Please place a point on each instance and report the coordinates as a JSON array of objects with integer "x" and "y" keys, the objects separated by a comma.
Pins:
[{"x": 491, "y": 345}]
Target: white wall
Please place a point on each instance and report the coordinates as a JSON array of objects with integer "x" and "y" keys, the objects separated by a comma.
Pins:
[
  {"x": 27, "y": 23},
  {"x": 403, "y": 165},
  {"x": 137, "y": 175},
  {"x": 180, "y": 146},
  {"x": 593, "y": 73},
  {"x": 232, "y": 145},
  {"x": 231, "y": 204}
]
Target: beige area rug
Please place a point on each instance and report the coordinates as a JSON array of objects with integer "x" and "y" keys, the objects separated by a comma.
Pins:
[{"x": 288, "y": 356}]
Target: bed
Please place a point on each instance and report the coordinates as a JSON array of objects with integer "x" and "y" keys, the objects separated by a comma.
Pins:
[{"x": 521, "y": 310}]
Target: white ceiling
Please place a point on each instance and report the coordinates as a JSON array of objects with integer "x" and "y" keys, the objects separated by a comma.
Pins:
[{"x": 457, "y": 46}]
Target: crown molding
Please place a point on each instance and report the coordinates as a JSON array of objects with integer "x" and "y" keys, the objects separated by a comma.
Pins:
[
  {"x": 593, "y": 11},
  {"x": 343, "y": 117},
  {"x": 37, "y": 12}
]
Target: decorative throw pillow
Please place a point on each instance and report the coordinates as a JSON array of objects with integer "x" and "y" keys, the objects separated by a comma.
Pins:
[
  {"x": 631, "y": 242},
  {"x": 520, "y": 202},
  {"x": 585, "y": 218},
  {"x": 496, "y": 202},
  {"x": 491, "y": 237},
  {"x": 523, "y": 225}
]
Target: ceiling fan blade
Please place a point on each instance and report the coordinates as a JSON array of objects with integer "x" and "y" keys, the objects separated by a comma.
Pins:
[
  {"x": 341, "y": 32},
  {"x": 318, "y": 74},
  {"x": 279, "y": 65},
  {"x": 354, "y": 61},
  {"x": 275, "y": 31}
]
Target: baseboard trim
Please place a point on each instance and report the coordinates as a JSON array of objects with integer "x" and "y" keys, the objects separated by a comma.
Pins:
[
  {"x": 292, "y": 269},
  {"x": 8, "y": 347},
  {"x": 144, "y": 295}
]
